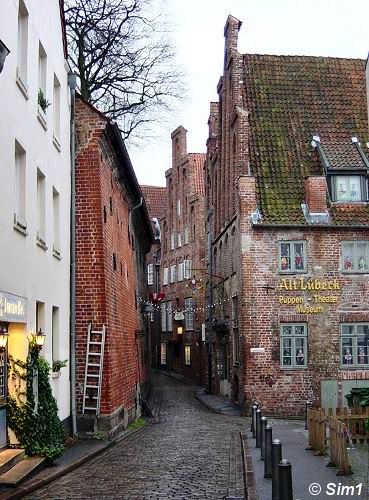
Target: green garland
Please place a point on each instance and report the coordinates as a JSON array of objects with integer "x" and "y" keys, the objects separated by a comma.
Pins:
[{"x": 37, "y": 427}]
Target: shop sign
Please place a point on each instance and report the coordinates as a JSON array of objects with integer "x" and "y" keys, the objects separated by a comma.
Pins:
[
  {"x": 13, "y": 308},
  {"x": 320, "y": 294}
]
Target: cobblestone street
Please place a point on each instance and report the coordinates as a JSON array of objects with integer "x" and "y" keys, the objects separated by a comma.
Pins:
[{"x": 187, "y": 452}]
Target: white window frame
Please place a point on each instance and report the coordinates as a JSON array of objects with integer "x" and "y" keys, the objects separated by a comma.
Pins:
[
  {"x": 187, "y": 269},
  {"x": 189, "y": 316},
  {"x": 186, "y": 235},
  {"x": 165, "y": 276},
  {"x": 173, "y": 273},
  {"x": 354, "y": 336},
  {"x": 179, "y": 240},
  {"x": 178, "y": 207},
  {"x": 163, "y": 312},
  {"x": 180, "y": 271},
  {"x": 56, "y": 223},
  {"x": 292, "y": 244},
  {"x": 339, "y": 179},
  {"x": 41, "y": 207},
  {"x": 150, "y": 274},
  {"x": 20, "y": 188},
  {"x": 56, "y": 112},
  {"x": 293, "y": 337},
  {"x": 355, "y": 265},
  {"x": 172, "y": 241}
]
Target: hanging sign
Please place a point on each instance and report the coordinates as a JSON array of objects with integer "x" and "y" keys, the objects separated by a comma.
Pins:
[{"x": 13, "y": 308}]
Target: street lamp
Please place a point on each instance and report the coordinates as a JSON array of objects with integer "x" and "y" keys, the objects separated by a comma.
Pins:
[
  {"x": 4, "y": 52},
  {"x": 3, "y": 335}
]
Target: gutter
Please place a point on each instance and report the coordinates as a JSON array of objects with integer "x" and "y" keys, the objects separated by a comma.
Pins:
[
  {"x": 315, "y": 226},
  {"x": 72, "y": 82}
]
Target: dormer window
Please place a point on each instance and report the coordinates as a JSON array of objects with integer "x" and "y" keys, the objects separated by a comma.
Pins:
[{"x": 349, "y": 188}]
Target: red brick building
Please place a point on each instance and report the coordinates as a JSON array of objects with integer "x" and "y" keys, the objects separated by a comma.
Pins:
[
  {"x": 113, "y": 234},
  {"x": 183, "y": 271},
  {"x": 155, "y": 199},
  {"x": 287, "y": 183}
]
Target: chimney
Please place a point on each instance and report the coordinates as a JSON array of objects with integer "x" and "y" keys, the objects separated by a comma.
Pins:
[
  {"x": 179, "y": 144},
  {"x": 231, "y": 29},
  {"x": 316, "y": 194}
]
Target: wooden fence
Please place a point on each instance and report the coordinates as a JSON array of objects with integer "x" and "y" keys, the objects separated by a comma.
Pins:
[{"x": 330, "y": 433}]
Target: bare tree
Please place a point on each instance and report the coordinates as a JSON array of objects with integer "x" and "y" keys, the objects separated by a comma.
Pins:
[{"x": 121, "y": 51}]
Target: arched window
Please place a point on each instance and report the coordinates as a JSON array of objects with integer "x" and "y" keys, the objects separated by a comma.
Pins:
[{"x": 226, "y": 258}]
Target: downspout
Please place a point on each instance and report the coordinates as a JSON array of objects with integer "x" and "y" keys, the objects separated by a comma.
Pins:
[{"x": 72, "y": 82}]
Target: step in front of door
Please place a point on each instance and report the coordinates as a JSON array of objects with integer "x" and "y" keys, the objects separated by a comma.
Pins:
[
  {"x": 21, "y": 471},
  {"x": 9, "y": 458}
]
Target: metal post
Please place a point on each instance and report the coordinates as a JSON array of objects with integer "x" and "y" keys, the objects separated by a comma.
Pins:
[
  {"x": 262, "y": 432},
  {"x": 306, "y": 414},
  {"x": 258, "y": 429},
  {"x": 268, "y": 451},
  {"x": 285, "y": 480},
  {"x": 276, "y": 458},
  {"x": 253, "y": 421}
]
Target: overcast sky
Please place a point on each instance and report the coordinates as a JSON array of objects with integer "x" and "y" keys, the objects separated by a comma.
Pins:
[{"x": 338, "y": 28}]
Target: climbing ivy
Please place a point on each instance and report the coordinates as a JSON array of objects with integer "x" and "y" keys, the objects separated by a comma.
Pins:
[{"x": 34, "y": 419}]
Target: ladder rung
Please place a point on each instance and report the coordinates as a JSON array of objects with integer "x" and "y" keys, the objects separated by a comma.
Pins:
[
  {"x": 93, "y": 375},
  {"x": 93, "y": 364},
  {"x": 88, "y": 408},
  {"x": 97, "y": 332},
  {"x": 92, "y": 386},
  {"x": 95, "y": 343},
  {"x": 94, "y": 353}
]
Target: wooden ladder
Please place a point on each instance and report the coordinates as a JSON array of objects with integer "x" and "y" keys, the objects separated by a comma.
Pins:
[{"x": 93, "y": 370}]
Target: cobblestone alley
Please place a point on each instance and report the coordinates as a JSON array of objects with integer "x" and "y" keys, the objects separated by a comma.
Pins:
[{"x": 187, "y": 452}]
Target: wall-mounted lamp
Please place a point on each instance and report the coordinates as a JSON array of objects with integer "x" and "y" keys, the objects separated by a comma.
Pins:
[
  {"x": 4, "y": 52},
  {"x": 40, "y": 339},
  {"x": 4, "y": 327},
  {"x": 179, "y": 330}
]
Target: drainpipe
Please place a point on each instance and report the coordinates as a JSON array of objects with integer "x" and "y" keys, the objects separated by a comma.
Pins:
[
  {"x": 210, "y": 260},
  {"x": 72, "y": 82}
]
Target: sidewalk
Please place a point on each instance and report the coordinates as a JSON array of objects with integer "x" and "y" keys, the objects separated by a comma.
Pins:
[{"x": 306, "y": 468}]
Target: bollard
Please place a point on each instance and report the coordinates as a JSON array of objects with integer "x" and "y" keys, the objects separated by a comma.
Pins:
[
  {"x": 253, "y": 414},
  {"x": 306, "y": 414},
  {"x": 268, "y": 452},
  {"x": 254, "y": 408},
  {"x": 258, "y": 428},
  {"x": 262, "y": 432},
  {"x": 285, "y": 480},
  {"x": 276, "y": 458}
]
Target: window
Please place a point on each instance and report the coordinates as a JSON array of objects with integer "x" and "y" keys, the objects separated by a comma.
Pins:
[
  {"x": 187, "y": 354},
  {"x": 55, "y": 334},
  {"x": 186, "y": 235},
  {"x": 349, "y": 188},
  {"x": 40, "y": 316},
  {"x": 173, "y": 270},
  {"x": 163, "y": 353},
  {"x": 235, "y": 311},
  {"x": 20, "y": 187},
  {"x": 165, "y": 275},
  {"x": 293, "y": 346},
  {"x": 178, "y": 207},
  {"x": 56, "y": 222},
  {"x": 114, "y": 262},
  {"x": 163, "y": 310},
  {"x": 355, "y": 256},
  {"x": 292, "y": 256},
  {"x": 150, "y": 274},
  {"x": 42, "y": 65},
  {"x": 22, "y": 53},
  {"x": 189, "y": 313},
  {"x": 56, "y": 103},
  {"x": 354, "y": 345},
  {"x": 180, "y": 271},
  {"x": 236, "y": 346},
  {"x": 187, "y": 269},
  {"x": 169, "y": 316},
  {"x": 172, "y": 241},
  {"x": 41, "y": 216},
  {"x": 179, "y": 240}
]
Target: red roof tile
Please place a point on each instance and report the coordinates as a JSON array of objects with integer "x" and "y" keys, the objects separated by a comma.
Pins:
[
  {"x": 198, "y": 162},
  {"x": 155, "y": 199}
]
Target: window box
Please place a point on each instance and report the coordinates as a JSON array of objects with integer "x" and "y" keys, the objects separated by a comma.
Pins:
[
  {"x": 292, "y": 257},
  {"x": 41, "y": 115},
  {"x": 355, "y": 257},
  {"x": 293, "y": 346},
  {"x": 354, "y": 346}
]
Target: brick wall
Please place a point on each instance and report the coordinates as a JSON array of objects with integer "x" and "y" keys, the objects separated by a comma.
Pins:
[{"x": 106, "y": 268}]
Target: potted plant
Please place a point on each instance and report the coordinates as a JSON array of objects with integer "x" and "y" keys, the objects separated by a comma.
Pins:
[
  {"x": 58, "y": 364},
  {"x": 42, "y": 101}
]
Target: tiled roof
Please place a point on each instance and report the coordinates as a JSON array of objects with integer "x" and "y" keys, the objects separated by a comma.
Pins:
[
  {"x": 343, "y": 155},
  {"x": 155, "y": 199},
  {"x": 290, "y": 99},
  {"x": 198, "y": 161}
]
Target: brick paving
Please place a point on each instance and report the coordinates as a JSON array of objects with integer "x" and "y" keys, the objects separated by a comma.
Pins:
[{"x": 187, "y": 452}]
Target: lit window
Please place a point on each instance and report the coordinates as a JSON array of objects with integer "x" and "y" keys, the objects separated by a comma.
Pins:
[
  {"x": 355, "y": 256},
  {"x": 187, "y": 353},
  {"x": 292, "y": 256},
  {"x": 163, "y": 353},
  {"x": 150, "y": 274},
  {"x": 349, "y": 188},
  {"x": 354, "y": 345},
  {"x": 293, "y": 346}
]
